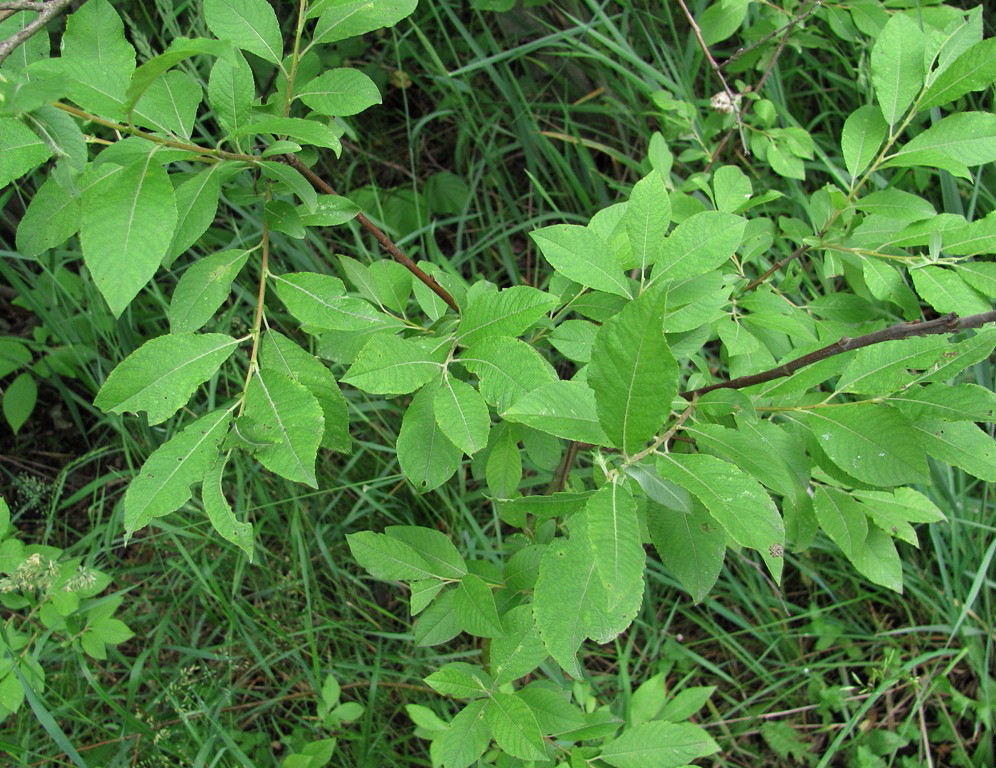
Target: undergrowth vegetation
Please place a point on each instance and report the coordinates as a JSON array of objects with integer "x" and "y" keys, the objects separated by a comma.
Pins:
[{"x": 545, "y": 246}]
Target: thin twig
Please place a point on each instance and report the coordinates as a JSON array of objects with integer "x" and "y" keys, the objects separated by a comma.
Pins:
[
  {"x": 776, "y": 266},
  {"x": 46, "y": 11},
  {"x": 947, "y": 324},
  {"x": 23, "y": 5},
  {"x": 809, "y": 11},
  {"x": 563, "y": 469},
  {"x": 734, "y": 98},
  {"x": 385, "y": 242},
  {"x": 760, "y": 83}
]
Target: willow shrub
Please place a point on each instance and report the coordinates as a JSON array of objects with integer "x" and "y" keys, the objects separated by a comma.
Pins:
[{"x": 716, "y": 406}]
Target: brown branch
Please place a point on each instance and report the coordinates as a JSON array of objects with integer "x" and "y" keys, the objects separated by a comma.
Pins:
[
  {"x": 775, "y": 267},
  {"x": 947, "y": 324},
  {"x": 46, "y": 11},
  {"x": 564, "y": 468},
  {"x": 23, "y": 5},
  {"x": 385, "y": 242},
  {"x": 734, "y": 98}
]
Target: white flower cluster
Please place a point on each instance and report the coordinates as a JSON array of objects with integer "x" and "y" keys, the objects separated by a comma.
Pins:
[
  {"x": 722, "y": 102},
  {"x": 37, "y": 574}
]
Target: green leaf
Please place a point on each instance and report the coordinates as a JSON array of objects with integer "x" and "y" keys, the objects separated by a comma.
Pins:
[
  {"x": 160, "y": 376},
  {"x": 34, "y": 47},
  {"x": 19, "y": 398},
  {"x": 517, "y": 650},
  {"x": 250, "y": 24},
  {"x": 386, "y": 557},
  {"x": 960, "y": 443},
  {"x": 647, "y": 217},
  {"x": 633, "y": 374},
  {"x": 691, "y": 545},
  {"x": 574, "y": 339},
  {"x": 196, "y": 206},
  {"x": 509, "y": 312},
  {"x": 180, "y": 49},
  {"x": 882, "y": 369},
  {"x": 861, "y": 137},
  {"x": 647, "y": 701},
  {"x": 897, "y": 66},
  {"x": 280, "y": 353},
  {"x": 958, "y": 402},
  {"x": 426, "y": 455},
  {"x": 562, "y": 408},
  {"x": 462, "y": 415},
  {"x": 762, "y": 449},
  {"x": 960, "y": 355},
  {"x": 347, "y": 18},
  {"x": 734, "y": 499},
  {"x": 434, "y": 547},
  {"x": 474, "y": 606},
  {"x": 170, "y": 104},
  {"x": 231, "y": 89},
  {"x": 614, "y": 537},
  {"x": 290, "y": 416},
  {"x": 894, "y": 511},
  {"x": 732, "y": 189},
  {"x": 318, "y": 300},
  {"x": 896, "y": 204},
  {"x": 843, "y": 519},
  {"x": 128, "y": 220},
  {"x": 514, "y": 727},
  {"x": 568, "y": 600},
  {"x": 946, "y": 292},
  {"x": 973, "y": 70},
  {"x": 13, "y": 355},
  {"x": 878, "y": 561},
  {"x": 391, "y": 365},
  {"x": 425, "y": 719},
  {"x": 438, "y": 623},
  {"x": 281, "y": 216},
  {"x": 974, "y": 238},
  {"x": 460, "y": 680},
  {"x": 52, "y": 217},
  {"x": 466, "y": 738},
  {"x": 699, "y": 244},
  {"x": 722, "y": 19},
  {"x": 330, "y": 211},
  {"x": 307, "y": 294},
  {"x": 203, "y": 288},
  {"x": 163, "y": 484},
  {"x": 292, "y": 180},
  {"x": 981, "y": 275},
  {"x": 554, "y": 713},
  {"x": 658, "y": 745},
  {"x": 686, "y": 703},
  {"x": 339, "y": 92},
  {"x": 952, "y": 143},
  {"x": 220, "y": 513},
  {"x": 874, "y": 443},
  {"x": 579, "y": 254},
  {"x": 543, "y": 507},
  {"x": 423, "y": 591},
  {"x": 20, "y": 150},
  {"x": 62, "y": 134},
  {"x": 507, "y": 368},
  {"x": 503, "y": 471},
  {"x": 97, "y": 60}
]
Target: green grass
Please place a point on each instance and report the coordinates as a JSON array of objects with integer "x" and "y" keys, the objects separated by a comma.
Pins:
[{"x": 545, "y": 115}]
